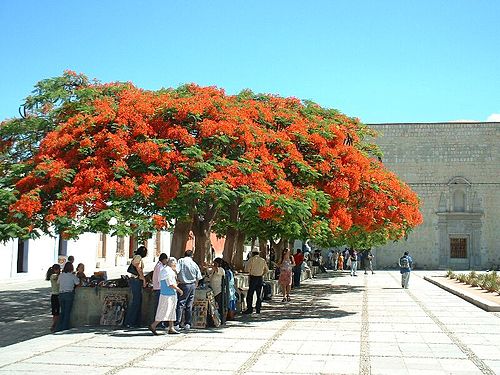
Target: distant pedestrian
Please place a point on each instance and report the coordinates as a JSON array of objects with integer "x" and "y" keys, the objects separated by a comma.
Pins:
[
  {"x": 369, "y": 261},
  {"x": 340, "y": 262},
  {"x": 167, "y": 304},
  {"x": 297, "y": 269},
  {"x": 354, "y": 262},
  {"x": 256, "y": 268},
  {"x": 136, "y": 282},
  {"x": 52, "y": 276},
  {"x": 67, "y": 282},
  {"x": 405, "y": 266},
  {"x": 188, "y": 274},
  {"x": 286, "y": 265}
]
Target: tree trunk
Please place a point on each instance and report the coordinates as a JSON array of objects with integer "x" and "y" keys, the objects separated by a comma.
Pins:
[
  {"x": 180, "y": 238},
  {"x": 263, "y": 248},
  {"x": 229, "y": 244},
  {"x": 231, "y": 233},
  {"x": 238, "y": 254},
  {"x": 202, "y": 245}
]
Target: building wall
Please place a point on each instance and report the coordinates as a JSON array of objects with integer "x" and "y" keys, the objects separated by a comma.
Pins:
[
  {"x": 44, "y": 252},
  {"x": 436, "y": 160}
]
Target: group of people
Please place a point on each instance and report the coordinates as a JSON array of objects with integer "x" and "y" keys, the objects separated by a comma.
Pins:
[
  {"x": 351, "y": 259},
  {"x": 174, "y": 283},
  {"x": 63, "y": 281}
]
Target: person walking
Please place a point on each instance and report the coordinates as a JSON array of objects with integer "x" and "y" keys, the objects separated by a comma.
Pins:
[
  {"x": 354, "y": 262},
  {"x": 188, "y": 274},
  {"x": 162, "y": 262},
  {"x": 136, "y": 282},
  {"x": 405, "y": 266},
  {"x": 297, "y": 269},
  {"x": 340, "y": 262},
  {"x": 369, "y": 261},
  {"x": 257, "y": 268},
  {"x": 67, "y": 281},
  {"x": 167, "y": 304},
  {"x": 285, "y": 280}
]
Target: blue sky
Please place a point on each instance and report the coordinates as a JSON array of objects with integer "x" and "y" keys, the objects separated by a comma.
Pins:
[{"x": 381, "y": 61}]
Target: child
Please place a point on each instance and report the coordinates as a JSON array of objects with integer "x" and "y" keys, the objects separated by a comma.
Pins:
[{"x": 52, "y": 276}]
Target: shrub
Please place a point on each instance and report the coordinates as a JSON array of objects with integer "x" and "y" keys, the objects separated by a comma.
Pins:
[
  {"x": 462, "y": 277},
  {"x": 471, "y": 277},
  {"x": 450, "y": 274}
]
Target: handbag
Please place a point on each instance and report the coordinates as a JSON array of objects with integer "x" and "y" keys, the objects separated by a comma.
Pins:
[{"x": 131, "y": 269}]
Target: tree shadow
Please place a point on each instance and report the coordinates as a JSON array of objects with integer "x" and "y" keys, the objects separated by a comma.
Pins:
[{"x": 24, "y": 314}]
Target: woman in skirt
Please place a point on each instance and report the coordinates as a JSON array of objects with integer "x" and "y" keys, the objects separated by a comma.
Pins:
[
  {"x": 168, "y": 297},
  {"x": 285, "y": 279}
]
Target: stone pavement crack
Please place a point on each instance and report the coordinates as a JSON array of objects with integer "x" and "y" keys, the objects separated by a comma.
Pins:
[
  {"x": 45, "y": 352},
  {"x": 364, "y": 351},
  {"x": 141, "y": 357},
  {"x": 255, "y": 356},
  {"x": 483, "y": 367}
]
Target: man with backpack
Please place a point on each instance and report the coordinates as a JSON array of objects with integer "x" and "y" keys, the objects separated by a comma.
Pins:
[{"x": 405, "y": 265}]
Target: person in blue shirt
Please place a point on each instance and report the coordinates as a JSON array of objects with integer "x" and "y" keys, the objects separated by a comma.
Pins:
[
  {"x": 168, "y": 297},
  {"x": 405, "y": 265}
]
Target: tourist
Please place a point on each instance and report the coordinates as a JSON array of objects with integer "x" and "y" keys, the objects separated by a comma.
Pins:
[
  {"x": 340, "y": 262},
  {"x": 369, "y": 261},
  {"x": 405, "y": 265},
  {"x": 165, "y": 312},
  {"x": 297, "y": 269},
  {"x": 136, "y": 282},
  {"x": 256, "y": 268},
  {"x": 52, "y": 276},
  {"x": 189, "y": 275},
  {"x": 80, "y": 273},
  {"x": 162, "y": 262},
  {"x": 67, "y": 282},
  {"x": 215, "y": 281},
  {"x": 354, "y": 262},
  {"x": 286, "y": 264},
  {"x": 232, "y": 299}
]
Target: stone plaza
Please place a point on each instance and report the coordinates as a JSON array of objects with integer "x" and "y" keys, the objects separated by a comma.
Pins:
[{"x": 335, "y": 324}]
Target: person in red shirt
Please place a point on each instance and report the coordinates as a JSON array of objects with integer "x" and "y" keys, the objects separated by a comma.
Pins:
[{"x": 297, "y": 269}]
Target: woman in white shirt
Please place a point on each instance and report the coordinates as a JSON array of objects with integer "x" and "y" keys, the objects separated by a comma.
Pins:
[
  {"x": 215, "y": 279},
  {"x": 168, "y": 297}
]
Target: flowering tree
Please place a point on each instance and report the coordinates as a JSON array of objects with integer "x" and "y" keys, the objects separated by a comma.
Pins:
[{"x": 242, "y": 165}]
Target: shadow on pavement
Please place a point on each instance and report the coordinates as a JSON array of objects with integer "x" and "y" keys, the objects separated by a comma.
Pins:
[{"x": 24, "y": 314}]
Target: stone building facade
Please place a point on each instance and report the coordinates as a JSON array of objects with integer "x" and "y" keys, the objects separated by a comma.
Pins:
[{"x": 455, "y": 170}]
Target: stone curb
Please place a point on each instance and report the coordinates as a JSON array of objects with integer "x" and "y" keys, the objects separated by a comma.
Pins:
[{"x": 479, "y": 302}]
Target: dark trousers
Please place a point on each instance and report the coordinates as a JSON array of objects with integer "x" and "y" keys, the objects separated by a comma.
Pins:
[
  {"x": 133, "y": 317},
  {"x": 297, "y": 271},
  {"x": 185, "y": 303},
  {"x": 254, "y": 286},
  {"x": 66, "y": 302}
]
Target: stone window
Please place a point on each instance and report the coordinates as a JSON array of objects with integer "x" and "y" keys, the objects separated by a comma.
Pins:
[
  {"x": 459, "y": 201},
  {"x": 458, "y": 248}
]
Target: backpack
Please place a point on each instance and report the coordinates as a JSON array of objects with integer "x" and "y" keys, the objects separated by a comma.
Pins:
[{"x": 404, "y": 262}]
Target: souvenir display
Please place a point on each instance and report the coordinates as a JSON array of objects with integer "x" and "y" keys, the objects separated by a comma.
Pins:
[{"x": 113, "y": 310}]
